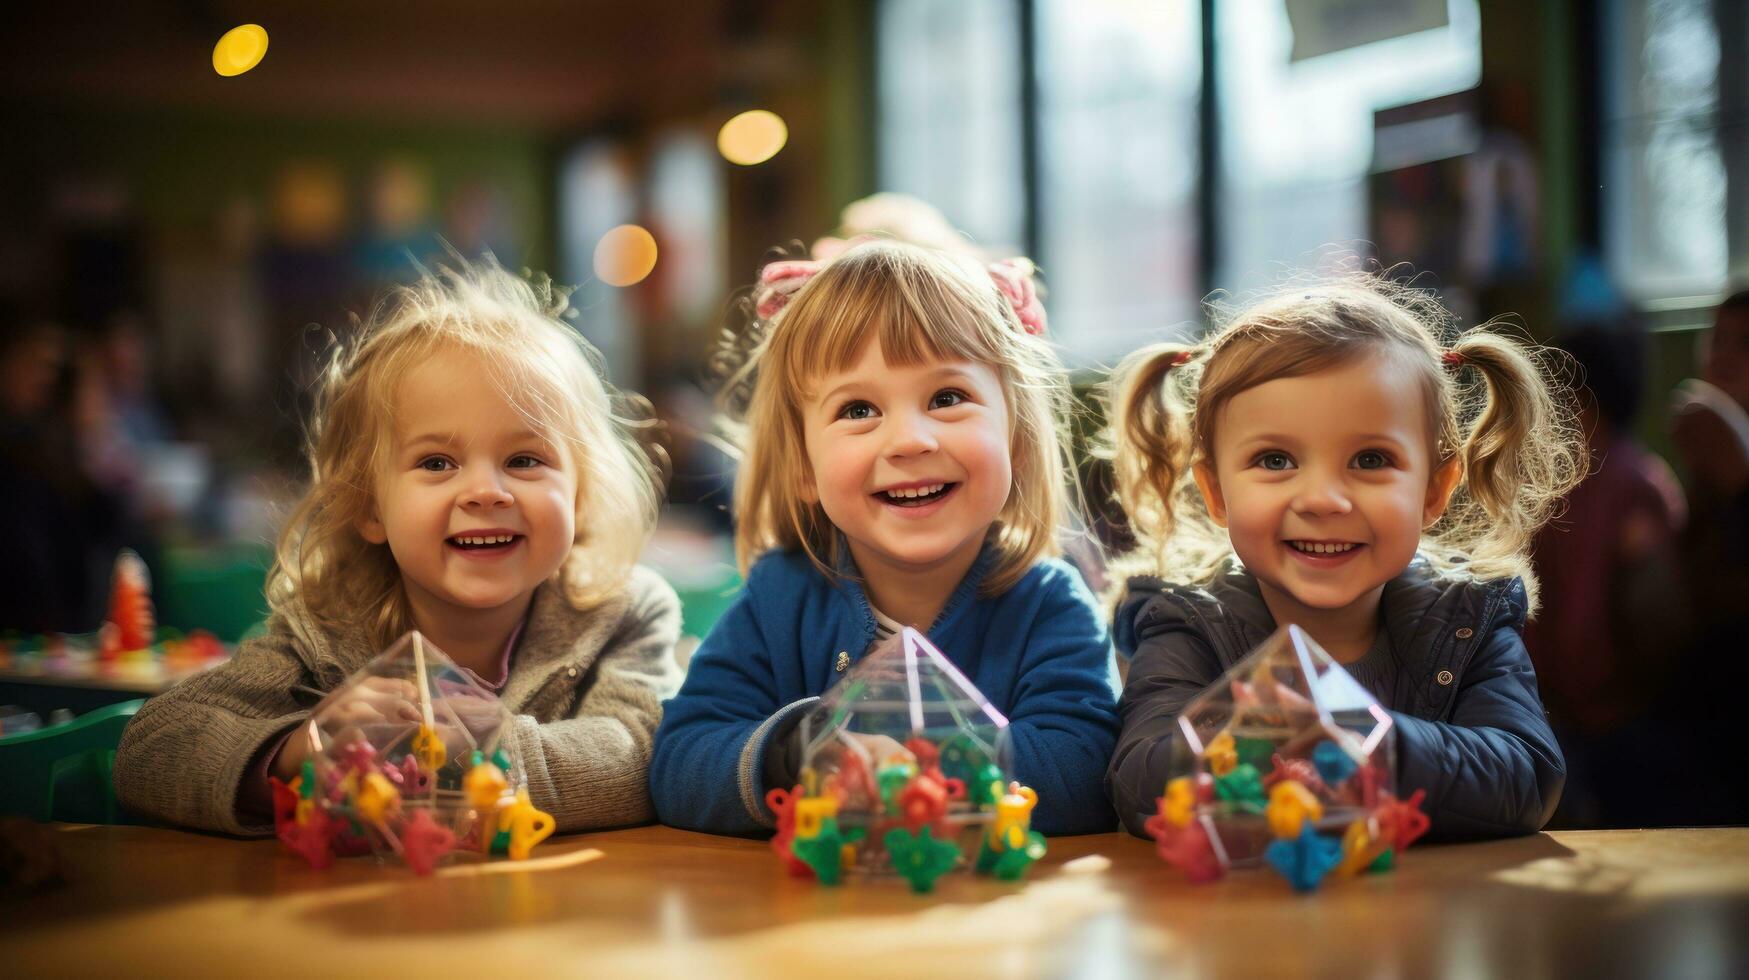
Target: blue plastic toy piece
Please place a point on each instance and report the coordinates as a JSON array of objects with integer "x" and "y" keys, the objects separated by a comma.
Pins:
[
  {"x": 1332, "y": 763},
  {"x": 1304, "y": 860}
]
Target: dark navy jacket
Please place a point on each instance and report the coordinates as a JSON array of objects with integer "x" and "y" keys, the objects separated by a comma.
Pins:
[
  {"x": 1038, "y": 651},
  {"x": 1471, "y": 729}
]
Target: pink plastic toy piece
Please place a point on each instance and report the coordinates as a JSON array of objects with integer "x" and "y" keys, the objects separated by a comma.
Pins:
[
  {"x": 358, "y": 757},
  {"x": 414, "y": 780},
  {"x": 1401, "y": 821},
  {"x": 424, "y": 842}
]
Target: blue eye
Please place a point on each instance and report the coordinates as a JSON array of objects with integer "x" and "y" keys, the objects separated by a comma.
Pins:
[
  {"x": 946, "y": 398},
  {"x": 523, "y": 461},
  {"x": 857, "y": 411},
  {"x": 1371, "y": 459},
  {"x": 434, "y": 464},
  {"x": 1274, "y": 460}
]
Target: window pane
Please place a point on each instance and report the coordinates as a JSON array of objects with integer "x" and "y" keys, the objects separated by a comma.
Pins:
[
  {"x": 949, "y": 91},
  {"x": 1664, "y": 181},
  {"x": 1297, "y": 137},
  {"x": 1118, "y": 85}
]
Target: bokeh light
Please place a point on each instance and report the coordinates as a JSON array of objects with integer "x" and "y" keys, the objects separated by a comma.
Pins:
[
  {"x": 625, "y": 255},
  {"x": 241, "y": 49},
  {"x": 752, "y": 137}
]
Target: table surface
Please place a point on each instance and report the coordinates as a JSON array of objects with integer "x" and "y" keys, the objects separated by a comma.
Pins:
[{"x": 662, "y": 901}]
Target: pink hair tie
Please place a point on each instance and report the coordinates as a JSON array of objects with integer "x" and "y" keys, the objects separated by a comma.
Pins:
[
  {"x": 1013, "y": 278},
  {"x": 1452, "y": 358},
  {"x": 779, "y": 281},
  {"x": 1179, "y": 359}
]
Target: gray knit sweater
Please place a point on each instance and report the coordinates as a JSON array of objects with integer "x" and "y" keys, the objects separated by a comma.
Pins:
[{"x": 586, "y": 688}]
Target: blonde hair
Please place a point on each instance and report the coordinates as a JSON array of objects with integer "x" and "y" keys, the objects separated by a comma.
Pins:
[
  {"x": 920, "y": 305},
  {"x": 1498, "y": 412},
  {"x": 543, "y": 368}
]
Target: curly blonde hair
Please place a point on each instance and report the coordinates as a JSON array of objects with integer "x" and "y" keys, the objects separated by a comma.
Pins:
[
  {"x": 512, "y": 326},
  {"x": 1495, "y": 405},
  {"x": 920, "y": 304}
]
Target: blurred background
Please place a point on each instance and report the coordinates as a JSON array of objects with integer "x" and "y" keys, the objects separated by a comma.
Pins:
[{"x": 174, "y": 245}]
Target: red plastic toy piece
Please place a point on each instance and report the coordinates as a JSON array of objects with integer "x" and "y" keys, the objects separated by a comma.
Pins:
[
  {"x": 285, "y": 804},
  {"x": 1299, "y": 770},
  {"x": 1401, "y": 821},
  {"x": 130, "y": 608},
  {"x": 311, "y": 839},
  {"x": 424, "y": 842},
  {"x": 783, "y": 804},
  {"x": 358, "y": 757},
  {"x": 414, "y": 780},
  {"x": 1185, "y": 848}
]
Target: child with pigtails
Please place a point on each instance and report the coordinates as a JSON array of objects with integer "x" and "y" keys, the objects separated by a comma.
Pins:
[{"x": 1341, "y": 458}]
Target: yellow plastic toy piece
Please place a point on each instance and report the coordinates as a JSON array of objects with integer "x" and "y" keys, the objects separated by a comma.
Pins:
[
  {"x": 527, "y": 825},
  {"x": 1180, "y": 803},
  {"x": 377, "y": 799},
  {"x": 1361, "y": 846},
  {"x": 429, "y": 749},
  {"x": 1222, "y": 754},
  {"x": 304, "y": 810},
  {"x": 1013, "y": 817},
  {"x": 811, "y": 812},
  {"x": 485, "y": 785},
  {"x": 1290, "y": 806}
]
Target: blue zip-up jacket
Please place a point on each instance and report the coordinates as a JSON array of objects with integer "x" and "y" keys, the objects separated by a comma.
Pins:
[
  {"x": 1038, "y": 651},
  {"x": 1471, "y": 729}
]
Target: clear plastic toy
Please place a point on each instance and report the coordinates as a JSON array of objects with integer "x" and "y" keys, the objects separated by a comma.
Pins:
[
  {"x": 411, "y": 759},
  {"x": 1286, "y": 760},
  {"x": 906, "y": 770}
]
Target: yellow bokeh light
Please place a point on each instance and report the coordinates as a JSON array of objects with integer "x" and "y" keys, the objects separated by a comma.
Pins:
[
  {"x": 625, "y": 255},
  {"x": 752, "y": 137},
  {"x": 241, "y": 49}
]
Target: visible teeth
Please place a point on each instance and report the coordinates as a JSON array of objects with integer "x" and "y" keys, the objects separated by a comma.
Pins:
[
  {"x": 489, "y": 539},
  {"x": 916, "y": 491},
  {"x": 1314, "y": 548}
]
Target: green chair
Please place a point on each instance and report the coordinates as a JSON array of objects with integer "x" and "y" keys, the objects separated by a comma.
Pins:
[{"x": 63, "y": 772}]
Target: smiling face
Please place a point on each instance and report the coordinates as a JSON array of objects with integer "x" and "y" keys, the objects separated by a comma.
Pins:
[
  {"x": 911, "y": 463},
  {"x": 1324, "y": 483},
  {"x": 477, "y": 508}
]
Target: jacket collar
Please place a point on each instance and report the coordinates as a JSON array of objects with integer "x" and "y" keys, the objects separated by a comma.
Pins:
[
  {"x": 860, "y": 632},
  {"x": 1417, "y": 607}
]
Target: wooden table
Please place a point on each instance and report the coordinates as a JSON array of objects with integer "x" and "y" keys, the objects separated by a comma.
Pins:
[{"x": 670, "y": 903}]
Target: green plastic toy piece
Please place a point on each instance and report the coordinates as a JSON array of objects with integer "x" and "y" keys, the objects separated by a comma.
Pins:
[
  {"x": 921, "y": 859},
  {"x": 892, "y": 780},
  {"x": 824, "y": 852},
  {"x": 1243, "y": 786},
  {"x": 307, "y": 785},
  {"x": 1384, "y": 862},
  {"x": 1010, "y": 863},
  {"x": 985, "y": 787}
]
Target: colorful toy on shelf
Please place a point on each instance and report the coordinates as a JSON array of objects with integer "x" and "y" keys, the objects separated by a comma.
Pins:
[
  {"x": 1329, "y": 800},
  {"x": 130, "y": 625},
  {"x": 905, "y": 769},
  {"x": 438, "y": 777}
]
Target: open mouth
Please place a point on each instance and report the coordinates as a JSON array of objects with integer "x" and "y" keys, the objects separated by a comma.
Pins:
[
  {"x": 1323, "y": 548},
  {"x": 915, "y": 496},
  {"x": 483, "y": 543}
]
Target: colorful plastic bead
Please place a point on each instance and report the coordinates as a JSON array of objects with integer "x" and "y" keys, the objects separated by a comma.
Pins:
[
  {"x": 1304, "y": 860},
  {"x": 920, "y": 858},
  {"x": 1333, "y": 764},
  {"x": 1291, "y": 807}
]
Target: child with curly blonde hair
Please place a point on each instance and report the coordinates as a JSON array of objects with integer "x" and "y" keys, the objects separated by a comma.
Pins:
[
  {"x": 472, "y": 478},
  {"x": 901, "y": 420},
  {"x": 1341, "y": 458}
]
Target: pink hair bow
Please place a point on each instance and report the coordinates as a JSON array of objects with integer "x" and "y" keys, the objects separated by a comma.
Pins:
[{"x": 780, "y": 281}]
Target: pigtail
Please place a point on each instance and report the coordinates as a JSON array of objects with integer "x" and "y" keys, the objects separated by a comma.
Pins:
[
  {"x": 1151, "y": 440},
  {"x": 1520, "y": 456}
]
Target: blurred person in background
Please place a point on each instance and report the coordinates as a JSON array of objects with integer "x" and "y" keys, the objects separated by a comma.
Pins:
[
  {"x": 62, "y": 529},
  {"x": 1710, "y": 427},
  {"x": 1614, "y": 617}
]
